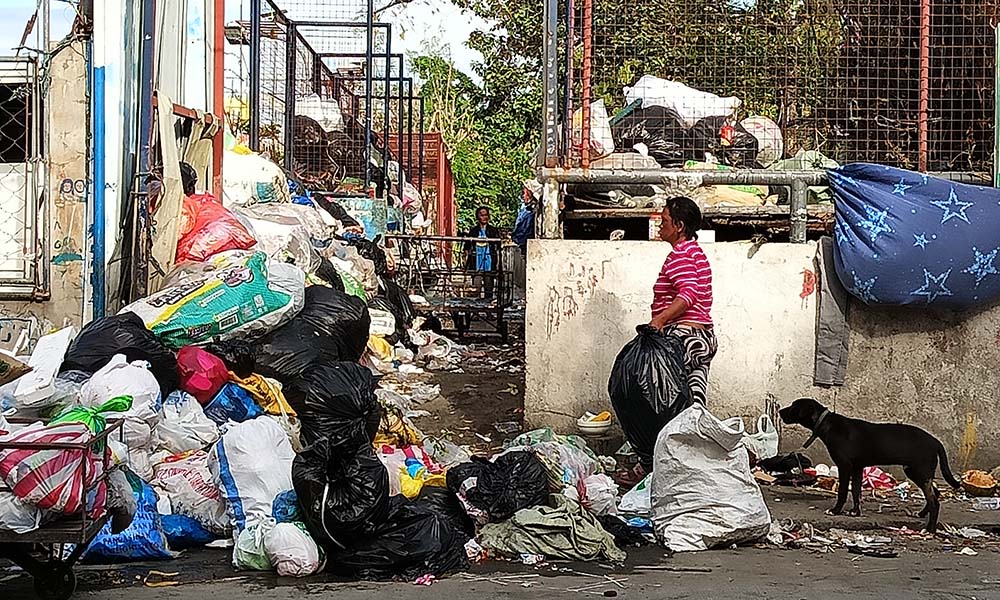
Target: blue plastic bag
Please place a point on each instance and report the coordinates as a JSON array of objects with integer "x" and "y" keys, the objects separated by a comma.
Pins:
[
  {"x": 184, "y": 532},
  {"x": 285, "y": 508},
  {"x": 907, "y": 238},
  {"x": 232, "y": 403},
  {"x": 143, "y": 540}
]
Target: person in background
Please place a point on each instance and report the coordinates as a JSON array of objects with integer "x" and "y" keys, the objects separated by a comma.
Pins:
[
  {"x": 682, "y": 294},
  {"x": 482, "y": 256},
  {"x": 524, "y": 227}
]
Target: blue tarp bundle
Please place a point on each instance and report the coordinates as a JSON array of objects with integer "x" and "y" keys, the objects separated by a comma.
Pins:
[{"x": 906, "y": 238}]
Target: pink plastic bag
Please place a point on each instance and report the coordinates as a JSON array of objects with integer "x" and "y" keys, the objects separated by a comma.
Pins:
[
  {"x": 208, "y": 228},
  {"x": 56, "y": 480},
  {"x": 202, "y": 374},
  {"x": 874, "y": 478}
]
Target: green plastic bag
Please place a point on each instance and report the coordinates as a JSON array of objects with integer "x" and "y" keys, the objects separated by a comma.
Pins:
[
  {"x": 94, "y": 418},
  {"x": 351, "y": 285}
]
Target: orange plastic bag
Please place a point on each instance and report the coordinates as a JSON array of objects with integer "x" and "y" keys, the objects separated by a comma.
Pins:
[{"x": 208, "y": 228}]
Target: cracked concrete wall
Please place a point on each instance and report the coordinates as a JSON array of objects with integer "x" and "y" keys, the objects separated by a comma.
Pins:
[
  {"x": 933, "y": 370},
  {"x": 66, "y": 104}
]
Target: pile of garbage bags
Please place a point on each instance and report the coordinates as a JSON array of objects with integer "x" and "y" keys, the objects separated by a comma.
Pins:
[{"x": 243, "y": 399}]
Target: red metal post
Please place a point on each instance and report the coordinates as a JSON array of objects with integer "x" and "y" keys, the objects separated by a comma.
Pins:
[
  {"x": 588, "y": 30},
  {"x": 925, "y": 77}
]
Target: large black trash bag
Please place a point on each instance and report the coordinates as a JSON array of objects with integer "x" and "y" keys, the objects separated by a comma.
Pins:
[
  {"x": 343, "y": 490},
  {"x": 660, "y": 129},
  {"x": 239, "y": 356},
  {"x": 126, "y": 334},
  {"x": 445, "y": 503},
  {"x": 513, "y": 481},
  {"x": 332, "y": 326},
  {"x": 414, "y": 540},
  {"x": 335, "y": 400},
  {"x": 398, "y": 297},
  {"x": 648, "y": 388},
  {"x": 706, "y": 136}
]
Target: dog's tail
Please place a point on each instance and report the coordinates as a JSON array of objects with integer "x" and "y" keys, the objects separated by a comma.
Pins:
[{"x": 945, "y": 469}]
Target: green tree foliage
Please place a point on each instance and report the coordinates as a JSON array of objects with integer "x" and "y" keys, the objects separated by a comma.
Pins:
[{"x": 491, "y": 127}]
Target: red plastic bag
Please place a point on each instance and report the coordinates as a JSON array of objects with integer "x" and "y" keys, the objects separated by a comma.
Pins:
[
  {"x": 59, "y": 480},
  {"x": 208, "y": 228},
  {"x": 202, "y": 374}
]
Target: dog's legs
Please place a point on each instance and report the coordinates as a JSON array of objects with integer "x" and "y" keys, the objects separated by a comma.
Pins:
[
  {"x": 932, "y": 506},
  {"x": 845, "y": 480},
  {"x": 856, "y": 493}
]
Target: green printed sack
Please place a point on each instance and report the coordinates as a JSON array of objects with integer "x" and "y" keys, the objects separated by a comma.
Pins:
[{"x": 235, "y": 295}]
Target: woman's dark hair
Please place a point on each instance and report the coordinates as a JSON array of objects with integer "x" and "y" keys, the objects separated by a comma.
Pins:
[
  {"x": 685, "y": 211},
  {"x": 189, "y": 179},
  {"x": 482, "y": 208}
]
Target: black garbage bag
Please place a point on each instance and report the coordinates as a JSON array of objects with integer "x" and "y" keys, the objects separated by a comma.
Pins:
[
  {"x": 625, "y": 536},
  {"x": 101, "y": 339},
  {"x": 335, "y": 400},
  {"x": 445, "y": 503},
  {"x": 740, "y": 152},
  {"x": 660, "y": 129},
  {"x": 370, "y": 249},
  {"x": 414, "y": 540},
  {"x": 513, "y": 481},
  {"x": 239, "y": 356},
  {"x": 648, "y": 388},
  {"x": 332, "y": 326},
  {"x": 328, "y": 273},
  {"x": 343, "y": 490}
]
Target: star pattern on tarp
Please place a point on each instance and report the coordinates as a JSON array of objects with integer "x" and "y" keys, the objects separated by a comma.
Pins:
[
  {"x": 840, "y": 231},
  {"x": 875, "y": 223},
  {"x": 921, "y": 240},
  {"x": 863, "y": 289},
  {"x": 953, "y": 208},
  {"x": 934, "y": 286},
  {"x": 983, "y": 265},
  {"x": 900, "y": 188}
]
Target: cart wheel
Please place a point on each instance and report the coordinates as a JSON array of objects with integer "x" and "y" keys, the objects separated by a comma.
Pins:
[{"x": 56, "y": 582}]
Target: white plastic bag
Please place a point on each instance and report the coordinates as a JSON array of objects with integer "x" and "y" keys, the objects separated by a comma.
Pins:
[
  {"x": 251, "y": 464},
  {"x": 770, "y": 140},
  {"x": 121, "y": 378},
  {"x": 383, "y": 322},
  {"x": 703, "y": 494},
  {"x": 17, "y": 515},
  {"x": 602, "y": 143},
  {"x": 602, "y": 492},
  {"x": 250, "y": 178},
  {"x": 690, "y": 104},
  {"x": 187, "y": 481},
  {"x": 764, "y": 443},
  {"x": 184, "y": 426},
  {"x": 292, "y": 551},
  {"x": 637, "y": 500},
  {"x": 248, "y": 552}
]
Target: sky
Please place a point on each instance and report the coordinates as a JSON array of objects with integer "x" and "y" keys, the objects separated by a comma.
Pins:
[{"x": 421, "y": 22}]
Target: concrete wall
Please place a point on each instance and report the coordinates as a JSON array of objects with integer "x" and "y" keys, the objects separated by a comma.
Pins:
[
  {"x": 584, "y": 300},
  {"x": 66, "y": 104}
]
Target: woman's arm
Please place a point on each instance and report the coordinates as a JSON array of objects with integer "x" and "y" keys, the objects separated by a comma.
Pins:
[{"x": 670, "y": 313}]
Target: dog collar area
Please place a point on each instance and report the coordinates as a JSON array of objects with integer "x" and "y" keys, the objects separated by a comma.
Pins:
[{"x": 815, "y": 434}]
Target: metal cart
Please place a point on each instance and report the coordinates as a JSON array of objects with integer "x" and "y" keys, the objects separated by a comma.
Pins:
[
  {"x": 41, "y": 552},
  {"x": 435, "y": 268}
]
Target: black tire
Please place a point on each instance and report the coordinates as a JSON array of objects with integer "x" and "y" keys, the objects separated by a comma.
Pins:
[{"x": 58, "y": 582}]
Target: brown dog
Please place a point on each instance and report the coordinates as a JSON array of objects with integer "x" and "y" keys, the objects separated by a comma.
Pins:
[{"x": 854, "y": 444}]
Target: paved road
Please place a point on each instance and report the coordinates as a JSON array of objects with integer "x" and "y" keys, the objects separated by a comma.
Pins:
[{"x": 746, "y": 573}]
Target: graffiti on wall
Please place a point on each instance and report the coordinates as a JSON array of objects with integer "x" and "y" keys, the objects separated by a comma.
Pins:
[{"x": 578, "y": 282}]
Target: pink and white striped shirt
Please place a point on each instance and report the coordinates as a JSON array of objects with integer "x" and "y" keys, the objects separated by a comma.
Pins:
[{"x": 685, "y": 274}]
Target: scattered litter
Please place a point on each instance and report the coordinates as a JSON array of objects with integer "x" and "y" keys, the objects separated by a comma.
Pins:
[{"x": 966, "y": 551}]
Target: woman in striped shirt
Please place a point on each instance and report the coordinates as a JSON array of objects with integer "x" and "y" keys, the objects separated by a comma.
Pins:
[{"x": 682, "y": 295}]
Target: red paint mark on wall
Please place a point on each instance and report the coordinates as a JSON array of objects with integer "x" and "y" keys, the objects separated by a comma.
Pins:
[{"x": 808, "y": 284}]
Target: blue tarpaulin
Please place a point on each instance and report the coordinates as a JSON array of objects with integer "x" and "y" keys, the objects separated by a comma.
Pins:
[{"x": 907, "y": 238}]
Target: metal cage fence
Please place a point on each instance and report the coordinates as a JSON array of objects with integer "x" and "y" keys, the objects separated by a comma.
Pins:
[{"x": 908, "y": 83}]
